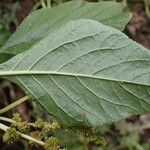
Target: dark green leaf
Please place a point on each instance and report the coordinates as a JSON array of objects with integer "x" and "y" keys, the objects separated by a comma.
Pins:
[{"x": 85, "y": 73}]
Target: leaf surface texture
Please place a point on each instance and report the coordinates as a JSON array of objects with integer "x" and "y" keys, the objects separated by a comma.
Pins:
[{"x": 85, "y": 73}]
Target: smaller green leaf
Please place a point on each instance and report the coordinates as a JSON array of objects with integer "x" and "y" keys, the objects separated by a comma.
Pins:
[{"x": 44, "y": 21}]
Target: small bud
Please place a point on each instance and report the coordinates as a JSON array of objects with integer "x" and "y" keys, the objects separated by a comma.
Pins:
[
  {"x": 51, "y": 126},
  {"x": 19, "y": 124},
  {"x": 55, "y": 125},
  {"x": 36, "y": 135},
  {"x": 89, "y": 133},
  {"x": 17, "y": 117},
  {"x": 51, "y": 143},
  {"x": 11, "y": 135}
]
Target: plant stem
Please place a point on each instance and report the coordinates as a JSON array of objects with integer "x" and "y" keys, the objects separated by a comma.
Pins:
[
  {"x": 125, "y": 3},
  {"x": 16, "y": 103},
  {"x": 35, "y": 7},
  {"x": 12, "y": 121},
  {"x": 5, "y": 128},
  {"x": 7, "y": 120},
  {"x": 147, "y": 9},
  {"x": 48, "y": 3},
  {"x": 43, "y": 4}
]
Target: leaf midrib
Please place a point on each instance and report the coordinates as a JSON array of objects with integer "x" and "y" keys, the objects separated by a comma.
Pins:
[{"x": 17, "y": 73}]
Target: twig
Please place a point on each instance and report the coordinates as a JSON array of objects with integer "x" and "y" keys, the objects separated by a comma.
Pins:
[
  {"x": 125, "y": 3},
  {"x": 147, "y": 9},
  {"x": 7, "y": 120},
  {"x": 43, "y": 4},
  {"x": 12, "y": 121},
  {"x": 16, "y": 103},
  {"x": 5, "y": 128},
  {"x": 48, "y": 3}
]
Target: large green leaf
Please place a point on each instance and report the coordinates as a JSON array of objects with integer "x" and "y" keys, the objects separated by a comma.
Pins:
[
  {"x": 43, "y": 21},
  {"x": 85, "y": 73}
]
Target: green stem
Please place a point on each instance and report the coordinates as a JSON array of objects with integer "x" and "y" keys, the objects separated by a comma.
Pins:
[
  {"x": 147, "y": 9},
  {"x": 5, "y": 128},
  {"x": 43, "y": 4},
  {"x": 11, "y": 106},
  {"x": 7, "y": 120},
  {"x": 48, "y": 3},
  {"x": 12, "y": 121},
  {"x": 125, "y": 2},
  {"x": 36, "y": 6}
]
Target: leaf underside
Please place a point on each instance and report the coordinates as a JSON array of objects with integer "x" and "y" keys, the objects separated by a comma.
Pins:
[
  {"x": 85, "y": 73},
  {"x": 41, "y": 22}
]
